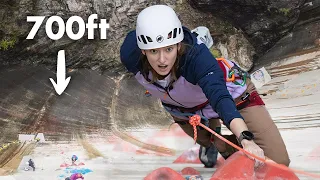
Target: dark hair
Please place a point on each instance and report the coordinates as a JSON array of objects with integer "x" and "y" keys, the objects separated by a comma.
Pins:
[{"x": 146, "y": 67}]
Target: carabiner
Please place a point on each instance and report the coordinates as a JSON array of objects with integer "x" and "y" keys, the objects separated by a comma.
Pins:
[{"x": 244, "y": 80}]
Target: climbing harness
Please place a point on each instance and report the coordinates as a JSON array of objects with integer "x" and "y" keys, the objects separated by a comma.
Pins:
[
  {"x": 183, "y": 109},
  {"x": 190, "y": 112}
]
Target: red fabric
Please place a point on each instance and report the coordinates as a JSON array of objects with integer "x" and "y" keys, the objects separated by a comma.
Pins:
[{"x": 255, "y": 99}]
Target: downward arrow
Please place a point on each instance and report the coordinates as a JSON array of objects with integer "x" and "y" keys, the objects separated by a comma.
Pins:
[{"x": 62, "y": 83}]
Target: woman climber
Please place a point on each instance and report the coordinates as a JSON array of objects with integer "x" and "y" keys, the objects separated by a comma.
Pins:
[{"x": 176, "y": 67}]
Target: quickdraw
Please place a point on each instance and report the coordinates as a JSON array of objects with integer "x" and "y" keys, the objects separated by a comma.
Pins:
[{"x": 234, "y": 70}]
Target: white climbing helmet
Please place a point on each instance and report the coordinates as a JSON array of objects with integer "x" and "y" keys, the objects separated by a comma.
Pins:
[
  {"x": 204, "y": 36},
  {"x": 158, "y": 26}
]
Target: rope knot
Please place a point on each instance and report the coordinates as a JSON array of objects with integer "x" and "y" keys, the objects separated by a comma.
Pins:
[{"x": 195, "y": 121}]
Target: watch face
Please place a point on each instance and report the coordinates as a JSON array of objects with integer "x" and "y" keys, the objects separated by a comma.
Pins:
[{"x": 247, "y": 135}]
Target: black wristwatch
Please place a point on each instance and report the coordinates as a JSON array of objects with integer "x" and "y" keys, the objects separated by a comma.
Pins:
[{"x": 246, "y": 135}]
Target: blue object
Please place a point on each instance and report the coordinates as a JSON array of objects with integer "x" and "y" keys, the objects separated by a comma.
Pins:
[
  {"x": 82, "y": 170},
  {"x": 194, "y": 177}
]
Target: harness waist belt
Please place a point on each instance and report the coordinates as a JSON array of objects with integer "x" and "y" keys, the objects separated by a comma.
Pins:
[{"x": 183, "y": 109}]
